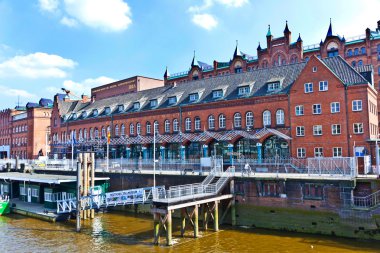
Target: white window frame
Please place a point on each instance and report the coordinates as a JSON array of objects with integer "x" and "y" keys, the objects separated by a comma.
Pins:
[
  {"x": 167, "y": 126},
  {"x": 357, "y": 105},
  {"x": 318, "y": 152},
  {"x": 22, "y": 191},
  {"x": 217, "y": 93},
  {"x": 197, "y": 123},
  {"x": 317, "y": 130},
  {"x": 308, "y": 87},
  {"x": 274, "y": 86},
  {"x": 136, "y": 105},
  {"x": 301, "y": 152},
  {"x": 172, "y": 100},
  {"x": 335, "y": 128},
  {"x": 138, "y": 128},
  {"x": 48, "y": 197},
  {"x": 334, "y": 106},
  {"x": 315, "y": 107},
  {"x": 222, "y": 121},
  {"x": 243, "y": 90},
  {"x": 324, "y": 87},
  {"x": 300, "y": 131},
  {"x": 153, "y": 103},
  {"x": 280, "y": 117},
  {"x": 35, "y": 193},
  {"x": 211, "y": 122},
  {"x": 237, "y": 120},
  {"x": 299, "y": 110},
  {"x": 249, "y": 119},
  {"x": 337, "y": 151},
  {"x": 359, "y": 127},
  {"x": 193, "y": 97},
  {"x": 267, "y": 118},
  {"x": 148, "y": 128},
  {"x": 187, "y": 124},
  {"x": 131, "y": 129},
  {"x": 175, "y": 125}
]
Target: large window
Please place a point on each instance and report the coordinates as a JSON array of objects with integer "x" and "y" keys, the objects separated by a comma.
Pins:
[
  {"x": 308, "y": 87},
  {"x": 211, "y": 122},
  {"x": 197, "y": 123},
  {"x": 335, "y": 107},
  {"x": 193, "y": 97},
  {"x": 167, "y": 126},
  {"x": 301, "y": 152},
  {"x": 317, "y": 109},
  {"x": 117, "y": 130},
  {"x": 274, "y": 86},
  {"x": 249, "y": 119},
  {"x": 222, "y": 121},
  {"x": 266, "y": 118},
  {"x": 317, "y": 130},
  {"x": 362, "y": 50},
  {"x": 357, "y": 105},
  {"x": 153, "y": 103},
  {"x": 323, "y": 86},
  {"x": 313, "y": 191},
  {"x": 172, "y": 100},
  {"x": 349, "y": 52},
  {"x": 337, "y": 152},
  {"x": 138, "y": 128},
  {"x": 318, "y": 152},
  {"x": 356, "y": 51},
  {"x": 148, "y": 127},
  {"x": 217, "y": 93},
  {"x": 175, "y": 125},
  {"x": 244, "y": 90},
  {"x": 237, "y": 120},
  {"x": 335, "y": 129},
  {"x": 280, "y": 117},
  {"x": 131, "y": 129},
  {"x": 156, "y": 127},
  {"x": 188, "y": 124},
  {"x": 300, "y": 131},
  {"x": 122, "y": 130},
  {"x": 299, "y": 110}
]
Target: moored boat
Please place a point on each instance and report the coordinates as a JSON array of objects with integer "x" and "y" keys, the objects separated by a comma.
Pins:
[{"x": 4, "y": 205}]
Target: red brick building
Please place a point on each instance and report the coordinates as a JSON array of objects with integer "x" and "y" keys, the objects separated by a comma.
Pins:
[
  {"x": 322, "y": 107},
  {"x": 24, "y": 131}
]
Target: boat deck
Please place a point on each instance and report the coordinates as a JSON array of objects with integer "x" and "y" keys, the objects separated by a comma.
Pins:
[{"x": 33, "y": 210}]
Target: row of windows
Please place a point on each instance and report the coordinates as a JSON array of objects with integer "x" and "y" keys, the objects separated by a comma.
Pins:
[
  {"x": 335, "y": 129},
  {"x": 323, "y": 86},
  {"x": 357, "y": 105},
  {"x": 318, "y": 152},
  {"x": 356, "y": 51},
  {"x": 19, "y": 129}
]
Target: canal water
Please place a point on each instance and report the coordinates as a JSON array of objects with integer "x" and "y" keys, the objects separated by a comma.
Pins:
[{"x": 120, "y": 232}]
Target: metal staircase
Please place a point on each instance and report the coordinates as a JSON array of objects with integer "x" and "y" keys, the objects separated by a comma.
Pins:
[{"x": 371, "y": 201}]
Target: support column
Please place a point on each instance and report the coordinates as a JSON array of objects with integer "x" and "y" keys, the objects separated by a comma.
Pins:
[
  {"x": 183, "y": 221},
  {"x": 156, "y": 225},
  {"x": 85, "y": 181},
  {"x": 231, "y": 150},
  {"x": 162, "y": 153},
  {"x": 196, "y": 225},
  {"x": 92, "y": 179},
  {"x": 128, "y": 152},
  {"x": 183, "y": 155},
  {"x": 233, "y": 210},
  {"x": 145, "y": 152},
  {"x": 259, "y": 152},
  {"x": 169, "y": 229},
  {"x": 79, "y": 186},
  {"x": 216, "y": 217},
  {"x": 205, "y": 150},
  {"x": 205, "y": 217}
]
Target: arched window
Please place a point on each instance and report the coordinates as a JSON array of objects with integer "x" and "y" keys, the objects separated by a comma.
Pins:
[
  {"x": 156, "y": 127},
  {"x": 249, "y": 119},
  {"x": 353, "y": 63},
  {"x": 117, "y": 130},
  {"x": 188, "y": 124},
  {"x": 167, "y": 126},
  {"x": 237, "y": 120},
  {"x": 349, "y": 52},
  {"x": 360, "y": 63},
  {"x": 222, "y": 121},
  {"x": 91, "y": 133},
  {"x": 122, "y": 130},
  {"x": 211, "y": 122},
  {"x": 85, "y": 134},
  {"x": 197, "y": 123},
  {"x": 80, "y": 137},
  {"x": 280, "y": 117},
  {"x": 266, "y": 118},
  {"x": 307, "y": 59},
  {"x": 131, "y": 129},
  {"x": 356, "y": 51},
  {"x": 138, "y": 128},
  {"x": 294, "y": 59},
  {"x": 148, "y": 127},
  {"x": 362, "y": 50},
  {"x": 96, "y": 132},
  {"x": 103, "y": 132},
  {"x": 175, "y": 125}
]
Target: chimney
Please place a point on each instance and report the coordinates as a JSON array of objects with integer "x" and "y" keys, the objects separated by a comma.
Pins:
[{"x": 85, "y": 99}]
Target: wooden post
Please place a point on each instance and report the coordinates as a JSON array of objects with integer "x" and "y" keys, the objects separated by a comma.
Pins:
[
  {"x": 196, "y": 225},
  {"x": 183, "y": 221},
  {"x": 205, "y": 217},
  {"x": 233, "y": 208},
  {"x": 79, "y": 182},
  {"x": 216, "y": 217},
  {"x": 92, "y": 161},
  {"x": 85, "y": 181},
  {"x": 156, "y": 217},
  {"x": 169, "y": 229}
]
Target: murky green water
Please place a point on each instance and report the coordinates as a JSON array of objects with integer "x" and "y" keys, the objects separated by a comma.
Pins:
[{"x": 119, "y": 232}]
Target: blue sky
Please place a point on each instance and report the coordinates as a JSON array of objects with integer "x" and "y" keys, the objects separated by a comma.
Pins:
[{"x": 79, "y": 44}]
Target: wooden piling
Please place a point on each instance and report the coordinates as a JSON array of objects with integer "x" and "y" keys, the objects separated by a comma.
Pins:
[
  {"x": 205, "y": 216},
  {"x": 196, "y": 225},
  {"x": 156, "y": 218},
  {"x": 216, "y": 217},
  {"x": 79, "y": 182},
  {"x": 85, "y": 181},
  {"x": 233, "y": 207},
  {"x": 169, "y": 229},
  {"x": 183, "y": 221}
]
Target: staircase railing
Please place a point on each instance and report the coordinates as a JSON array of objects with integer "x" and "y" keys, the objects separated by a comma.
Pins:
[{"x": 367, "y": 202}]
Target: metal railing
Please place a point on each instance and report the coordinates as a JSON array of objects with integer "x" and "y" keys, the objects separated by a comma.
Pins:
[{"x": 367, "y": 202}]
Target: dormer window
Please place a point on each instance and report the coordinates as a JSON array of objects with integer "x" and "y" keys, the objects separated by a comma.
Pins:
[
  {"x": 136, "y": 105},
  {"x": 172, "y": 100},
  {"x": 217, "y": 93},
  {"x": 74, "y": 116},
  {"x": 120, "y": 108},
  {"x": 95, "y": 112},
  {"x": 193, "y": 97},
  {"x": 107, "y": 110},
  {"x": 274, "y": 86},
  {"x": 84, "y": 114},
  {"x": 244, "y": 90},
  {"x": 153, "y": 103}
]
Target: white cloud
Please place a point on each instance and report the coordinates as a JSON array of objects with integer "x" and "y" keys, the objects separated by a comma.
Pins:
[
  {"x": 36, "y": 65},
  {"x": 83, "y": 87},
  {"x": 48, "y": 5},
  {"x": 107, "y": 15},
  {"x": 9, "y": 92},
  {"x": 232, "y": 3},
  {"x": 206, "y": 4},
  {"x": 206, "y": 21},
  {"x": 70, "y": 22}
]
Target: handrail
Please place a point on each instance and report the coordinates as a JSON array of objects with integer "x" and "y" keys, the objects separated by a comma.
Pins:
[{"x": 370, "y": 201}]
